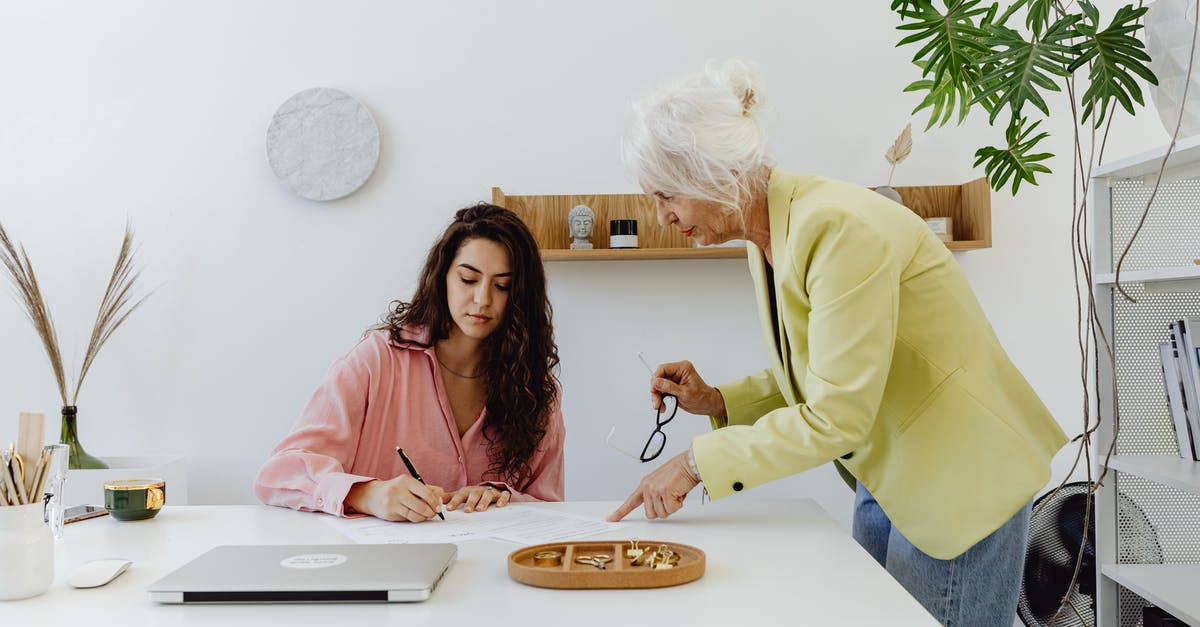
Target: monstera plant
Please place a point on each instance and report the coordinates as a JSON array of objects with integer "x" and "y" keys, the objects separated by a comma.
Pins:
[
  {"x": 973, "y": 54},
  {"x": 1007, "y": 59}
]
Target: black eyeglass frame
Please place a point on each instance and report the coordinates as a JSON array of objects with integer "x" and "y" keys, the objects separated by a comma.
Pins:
[{"x": 659, "y": 424}]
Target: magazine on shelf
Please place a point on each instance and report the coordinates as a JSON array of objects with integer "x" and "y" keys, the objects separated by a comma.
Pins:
[
  {"x": 1176, "y": 404},
  {"x": 1189, "y": 369}
]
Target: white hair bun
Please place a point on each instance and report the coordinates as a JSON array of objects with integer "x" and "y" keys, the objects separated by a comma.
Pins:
[
  {"x": 699, "y": 137},
  {"x": 740, "y": 78}
]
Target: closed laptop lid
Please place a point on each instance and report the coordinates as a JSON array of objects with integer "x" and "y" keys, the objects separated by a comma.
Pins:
[{"x": 308, "y": 574}]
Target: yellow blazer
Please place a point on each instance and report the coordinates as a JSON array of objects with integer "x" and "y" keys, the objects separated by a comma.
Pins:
[{"x": 882, "y": 360}]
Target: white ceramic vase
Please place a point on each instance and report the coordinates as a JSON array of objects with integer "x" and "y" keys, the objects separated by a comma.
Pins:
[
  {"x": 890, "y": 194},
  {"x": 1169, "y": 28},
  {"x": 26, "y": 552}
]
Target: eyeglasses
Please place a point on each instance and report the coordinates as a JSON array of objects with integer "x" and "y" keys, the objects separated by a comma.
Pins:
[{"x": 658, "y": 438}]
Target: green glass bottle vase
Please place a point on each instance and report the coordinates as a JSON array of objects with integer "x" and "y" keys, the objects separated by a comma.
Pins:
[{"x": 78, "y": 458}]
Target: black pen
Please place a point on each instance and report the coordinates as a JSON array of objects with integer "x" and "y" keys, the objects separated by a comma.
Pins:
[{"x": 412, "y": 470}]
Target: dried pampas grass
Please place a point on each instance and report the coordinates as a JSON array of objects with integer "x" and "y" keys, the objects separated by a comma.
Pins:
[
  {"x": 899, "y": 150},
  {"x": 29, "y": 294},
  {"x": 115, "y": 307}
]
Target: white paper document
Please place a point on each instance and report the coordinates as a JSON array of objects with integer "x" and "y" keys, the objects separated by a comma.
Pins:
[{"x": 512, "y": 523}]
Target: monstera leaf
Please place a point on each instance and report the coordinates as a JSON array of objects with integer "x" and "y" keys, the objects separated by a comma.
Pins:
[
  {"x": 1014, "y": 160},
  {"x": 1021, "y": 67},
  {"x": 971, "y": 55},
  {"x": 955, "y": 43},
  {"x": 1115, "y": 56},
  {"x": 946, "y": 98}
]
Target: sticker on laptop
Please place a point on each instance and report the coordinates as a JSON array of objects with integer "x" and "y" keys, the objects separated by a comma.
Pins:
[{"x": 313, "y": 560}]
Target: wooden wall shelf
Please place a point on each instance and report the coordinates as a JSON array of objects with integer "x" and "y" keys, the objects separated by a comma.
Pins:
[
  {"x": 969, "y": 205},
  {"x": 552, "y": 254},
  {"x": 970, "y": 244}
]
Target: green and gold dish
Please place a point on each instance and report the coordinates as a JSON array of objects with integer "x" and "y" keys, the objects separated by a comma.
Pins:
[{"x": 134, "y": 499}]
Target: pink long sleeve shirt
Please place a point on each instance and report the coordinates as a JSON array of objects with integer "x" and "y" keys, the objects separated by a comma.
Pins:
[{"x": 375, "y": 398}]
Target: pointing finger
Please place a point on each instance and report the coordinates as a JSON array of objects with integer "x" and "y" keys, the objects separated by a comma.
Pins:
[{"x": 629, "y": 505}]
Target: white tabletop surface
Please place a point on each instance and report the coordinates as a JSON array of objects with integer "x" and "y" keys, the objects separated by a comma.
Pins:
[{"x": 782, "y": 559}]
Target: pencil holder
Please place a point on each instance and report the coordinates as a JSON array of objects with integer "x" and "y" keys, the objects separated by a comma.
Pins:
[{"x": 26, "y": 552}]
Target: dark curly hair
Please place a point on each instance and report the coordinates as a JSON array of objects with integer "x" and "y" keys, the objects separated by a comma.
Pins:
[{"x": 519, "y": 358}]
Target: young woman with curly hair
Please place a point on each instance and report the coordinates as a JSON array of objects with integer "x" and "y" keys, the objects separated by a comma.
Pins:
[{"x": 461, "y": 376}]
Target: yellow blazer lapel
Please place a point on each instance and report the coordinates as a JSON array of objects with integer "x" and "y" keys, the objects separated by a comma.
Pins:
[
  {"x": 779, "y": 204},
  {"x": 758, "y": 273},
  {"x": 779, "y": 201}
]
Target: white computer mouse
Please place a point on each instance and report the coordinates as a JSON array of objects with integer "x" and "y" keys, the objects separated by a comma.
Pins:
[{"x": 97, "y": 573}]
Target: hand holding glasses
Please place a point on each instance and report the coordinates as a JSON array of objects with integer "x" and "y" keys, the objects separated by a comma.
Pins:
[{"x": 658, "y": 438}]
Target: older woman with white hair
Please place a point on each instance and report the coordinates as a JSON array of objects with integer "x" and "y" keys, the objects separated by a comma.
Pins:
[{"x": 882, "y": 360}]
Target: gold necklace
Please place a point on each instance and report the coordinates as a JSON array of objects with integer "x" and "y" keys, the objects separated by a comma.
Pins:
[{"x": 457, "y": 374}]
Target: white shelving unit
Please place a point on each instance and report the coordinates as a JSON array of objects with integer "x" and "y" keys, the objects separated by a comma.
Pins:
[
  {"x": 1162, "y": 275},
  {"x": 1183, "y": 279},
  {"x": 1179, "y": 473},
  {"x": 1169, "y": 586}
]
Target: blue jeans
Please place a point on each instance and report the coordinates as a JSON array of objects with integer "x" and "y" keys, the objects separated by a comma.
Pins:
[{"x": 976, "y": 589}]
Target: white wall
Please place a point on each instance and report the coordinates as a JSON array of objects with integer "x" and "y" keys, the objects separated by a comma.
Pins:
[{"x": 157, "y": 112}]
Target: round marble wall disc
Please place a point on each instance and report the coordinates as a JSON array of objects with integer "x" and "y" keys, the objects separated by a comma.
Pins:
[{"x": 323, "y": 144}]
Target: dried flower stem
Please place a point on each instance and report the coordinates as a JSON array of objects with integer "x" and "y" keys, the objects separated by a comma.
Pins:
[
  {"x": 20, "y": 272},
  {"x": 899, "y": 150},
  {"x": 115, "y": 307}
]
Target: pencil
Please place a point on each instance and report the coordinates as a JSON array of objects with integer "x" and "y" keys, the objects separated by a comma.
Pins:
[
  {"x": 43, "y": 470},
  {"x": 14, "y": 497},
  {"x": 412, "y": 470}
]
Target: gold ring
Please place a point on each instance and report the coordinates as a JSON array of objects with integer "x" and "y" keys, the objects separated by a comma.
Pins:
[{"x": 547, "y": 558}]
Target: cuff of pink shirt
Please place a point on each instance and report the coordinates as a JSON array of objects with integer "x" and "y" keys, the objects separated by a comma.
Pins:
[{"x": 330, "y": 495}]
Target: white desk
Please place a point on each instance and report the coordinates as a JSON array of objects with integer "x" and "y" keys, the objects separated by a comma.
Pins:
[{"x": 783, "y": 560}]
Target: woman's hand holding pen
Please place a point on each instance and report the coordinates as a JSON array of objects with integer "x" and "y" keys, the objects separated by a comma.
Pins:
[
  {"x": 680, "y": 379},
  {"x": 398, "y": 498},
  {"x": 477, "y": 498}
]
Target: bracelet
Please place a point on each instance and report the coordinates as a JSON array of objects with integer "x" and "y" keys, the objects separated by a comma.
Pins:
[{"x": 691, "y": 461}]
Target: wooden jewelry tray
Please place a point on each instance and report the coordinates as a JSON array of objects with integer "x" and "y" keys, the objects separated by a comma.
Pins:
[{"x": 618, "y": 573}]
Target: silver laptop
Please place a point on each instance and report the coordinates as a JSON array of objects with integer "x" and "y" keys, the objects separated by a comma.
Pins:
[{"x": 333, "y": 573}]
